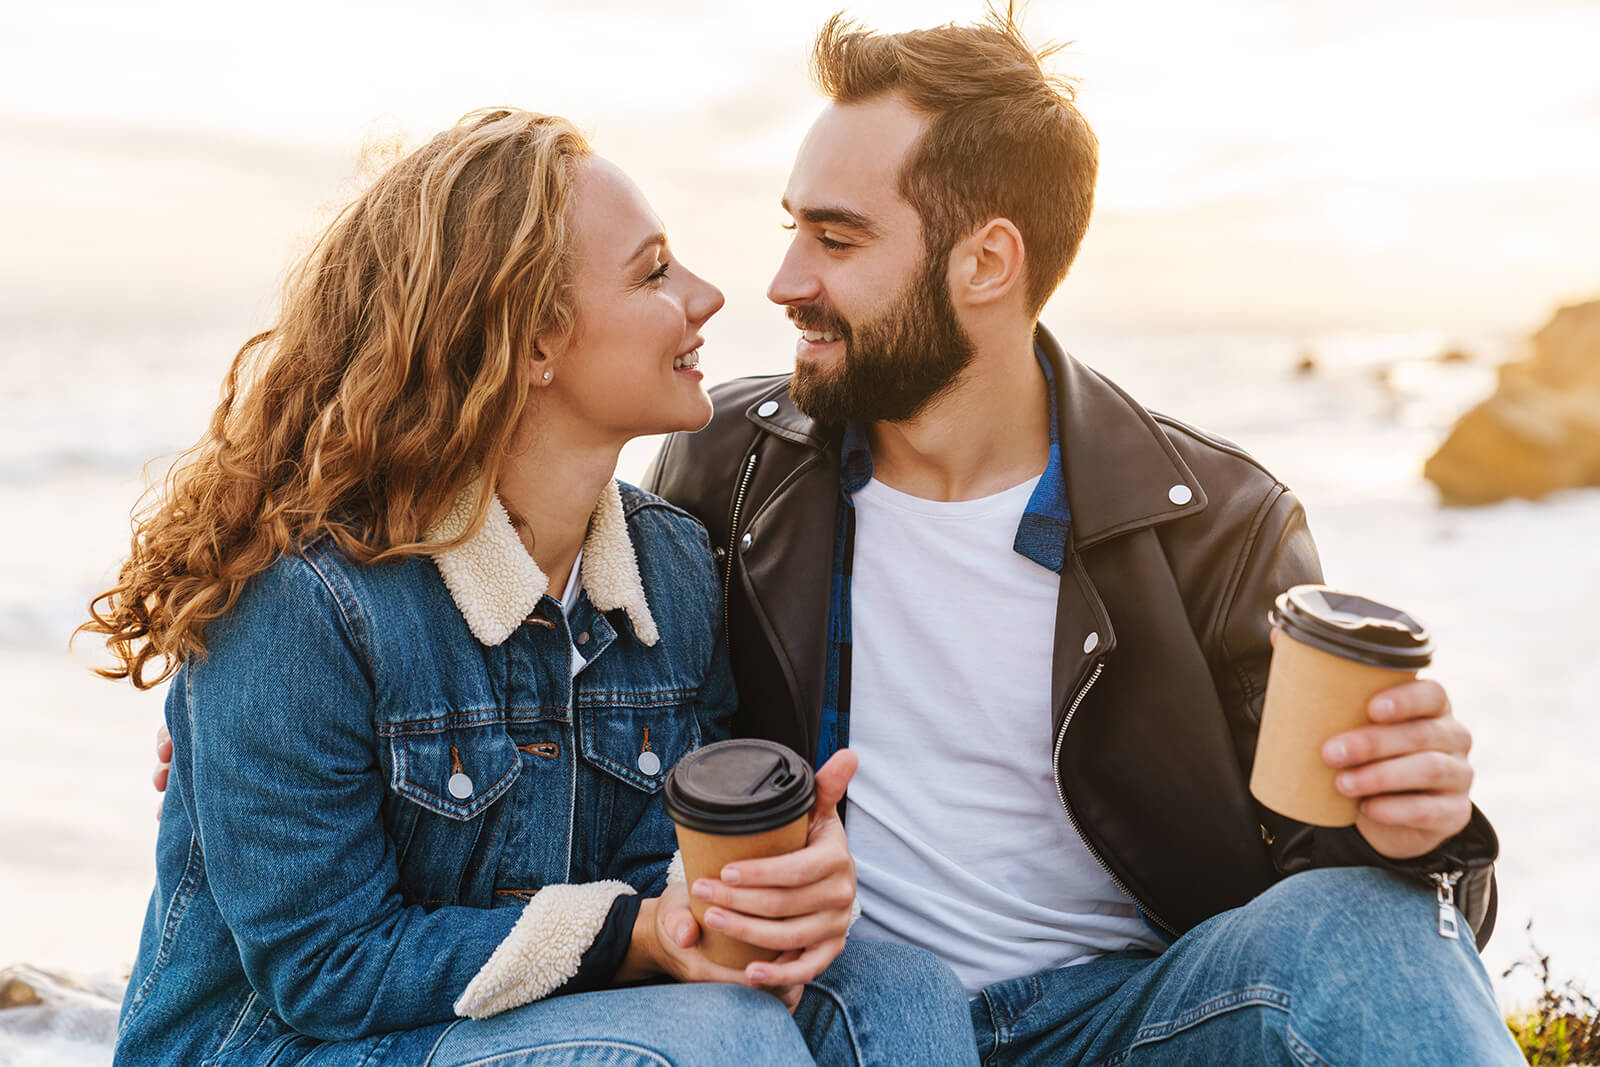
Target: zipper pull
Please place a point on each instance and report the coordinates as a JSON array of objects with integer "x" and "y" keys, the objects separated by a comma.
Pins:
[{"x": 1448, "y": 926}]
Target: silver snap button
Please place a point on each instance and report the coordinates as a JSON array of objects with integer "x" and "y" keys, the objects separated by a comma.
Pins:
[
  {"x": 1091, "y": 643},
  {"x": 746, "y": 541},
  {"x": 460, "y": 786},
  {"x": 1180, "y": 494},
  {"x": 583, "y": 638},
  {"x": 767, "y": 410},
  {"x": 649, "y": 763}
]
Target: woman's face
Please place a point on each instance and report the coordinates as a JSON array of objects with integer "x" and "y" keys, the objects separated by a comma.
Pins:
[{"x": 630, "y": 367}]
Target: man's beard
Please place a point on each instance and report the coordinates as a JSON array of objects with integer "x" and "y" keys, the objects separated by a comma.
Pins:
[{"x": 895, "y": 366}]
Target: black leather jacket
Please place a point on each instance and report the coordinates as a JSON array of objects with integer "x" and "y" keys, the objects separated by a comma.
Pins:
[{"x": 1153, "y": 721}]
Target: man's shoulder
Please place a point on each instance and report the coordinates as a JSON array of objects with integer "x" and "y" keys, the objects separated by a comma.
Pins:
[{"x": 1211, "y": 453}]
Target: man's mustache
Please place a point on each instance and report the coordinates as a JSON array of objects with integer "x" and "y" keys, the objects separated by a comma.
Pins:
[{"x": 818, "y": 317}]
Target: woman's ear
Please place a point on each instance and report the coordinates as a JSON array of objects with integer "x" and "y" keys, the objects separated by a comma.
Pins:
[{"x": 542, "y": 361}]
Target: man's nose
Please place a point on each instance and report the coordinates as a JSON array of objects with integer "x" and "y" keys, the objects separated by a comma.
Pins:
[{"x": 795, "y": 282}]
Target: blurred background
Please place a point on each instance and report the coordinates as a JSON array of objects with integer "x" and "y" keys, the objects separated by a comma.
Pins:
[{"x": 1320, "y": 227}]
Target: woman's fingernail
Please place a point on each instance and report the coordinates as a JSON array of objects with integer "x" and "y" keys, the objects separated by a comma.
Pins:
[
  {"x": 1346, "y": 783},
  {"x": 1383, "y": 707},
  {"x": 683, "y": 933},
  {"x": 1333, "y": 752},
  {"x": 730, "y": 875},
  {"x": 702, "y": 890},
  {"x": 758, "y": 974},
  {"x": 715, "y": 919}
]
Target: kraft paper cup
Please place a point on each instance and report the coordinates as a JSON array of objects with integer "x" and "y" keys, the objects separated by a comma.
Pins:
[
  {"x": 1335, "y": 652},
  {"x": 736, "y": 800}
]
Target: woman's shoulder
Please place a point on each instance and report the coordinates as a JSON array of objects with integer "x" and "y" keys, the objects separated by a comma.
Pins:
[{"x": 670, "y": 544}]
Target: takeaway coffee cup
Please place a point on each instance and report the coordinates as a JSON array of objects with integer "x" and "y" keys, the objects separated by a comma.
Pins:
[
  {"x": 1335, "y": 652},
  {"x": 736, "y": 800}
]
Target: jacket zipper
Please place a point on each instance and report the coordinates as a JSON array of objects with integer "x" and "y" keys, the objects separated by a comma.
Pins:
[
  {"x": 733, "y": 539},
  {"x": 1055, "y": 769},
  {"x": 1446, "y": 881}
]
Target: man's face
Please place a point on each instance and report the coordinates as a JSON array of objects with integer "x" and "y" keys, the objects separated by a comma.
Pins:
[{"x": 880, "y": 338}]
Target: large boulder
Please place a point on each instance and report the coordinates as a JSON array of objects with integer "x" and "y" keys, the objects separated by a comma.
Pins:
[
  {"x": 1540, "y": 430},
  {"x": 55, "y": 1018}
]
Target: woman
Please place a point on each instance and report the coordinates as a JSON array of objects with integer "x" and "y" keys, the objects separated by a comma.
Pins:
[{"x": 432, "y": 663}]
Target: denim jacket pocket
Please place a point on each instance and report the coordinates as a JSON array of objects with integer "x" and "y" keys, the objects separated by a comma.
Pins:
[
  {"x": 638, "y": 737},
  {"x": 454, "y": 771}
]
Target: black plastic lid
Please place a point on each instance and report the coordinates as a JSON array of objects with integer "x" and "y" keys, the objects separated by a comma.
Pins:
[
  {"x": 744, "y": 786},
  {"x": 1353, "y": 627}
]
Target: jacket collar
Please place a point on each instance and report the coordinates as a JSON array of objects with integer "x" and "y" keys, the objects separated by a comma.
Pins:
[
  {"x": 496, "y": 584},
  {"x": 1122, "y": 472}
]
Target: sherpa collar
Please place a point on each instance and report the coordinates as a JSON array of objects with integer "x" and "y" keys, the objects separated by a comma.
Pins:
[{"x": 496, "y": 584}]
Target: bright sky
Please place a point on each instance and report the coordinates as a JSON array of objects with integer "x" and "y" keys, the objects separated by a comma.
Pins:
[{"x": 1324, "y": 164}]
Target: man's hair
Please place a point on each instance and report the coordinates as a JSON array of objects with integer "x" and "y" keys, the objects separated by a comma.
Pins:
[{"x": 1004, "y": 138}]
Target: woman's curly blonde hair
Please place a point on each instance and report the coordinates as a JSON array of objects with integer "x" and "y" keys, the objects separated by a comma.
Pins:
[{"x": 394, "y": 375}]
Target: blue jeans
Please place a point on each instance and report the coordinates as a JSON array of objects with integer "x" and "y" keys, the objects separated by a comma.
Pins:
[
  {"x": 1340, "y": 965},
  {"x": 879, "y": 1003}
]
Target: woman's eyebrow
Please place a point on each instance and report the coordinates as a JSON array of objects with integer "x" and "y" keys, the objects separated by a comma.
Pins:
[{"x": 646, "y": 244}]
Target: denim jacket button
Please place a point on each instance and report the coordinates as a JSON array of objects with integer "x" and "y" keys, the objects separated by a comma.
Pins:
[
  {"x": 649, "y": 763},
  {"x": 460, "y": 786}
]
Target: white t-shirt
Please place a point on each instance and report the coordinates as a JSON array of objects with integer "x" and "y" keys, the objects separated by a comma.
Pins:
[{"x": 960, "y": 840}]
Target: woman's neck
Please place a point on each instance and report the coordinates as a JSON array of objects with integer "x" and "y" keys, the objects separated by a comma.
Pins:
[{"x": 550, "y": 493}]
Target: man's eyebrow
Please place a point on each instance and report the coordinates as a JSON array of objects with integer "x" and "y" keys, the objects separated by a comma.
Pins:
[
  {"x": 835, "y": 216},
  {"x": 646, "y": 244}
]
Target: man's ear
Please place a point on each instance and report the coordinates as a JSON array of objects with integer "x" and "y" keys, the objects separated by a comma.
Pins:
[{"x": 987, "y": 266}]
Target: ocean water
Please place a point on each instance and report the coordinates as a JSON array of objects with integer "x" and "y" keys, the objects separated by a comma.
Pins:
[{"x": 1509, "y": 590}]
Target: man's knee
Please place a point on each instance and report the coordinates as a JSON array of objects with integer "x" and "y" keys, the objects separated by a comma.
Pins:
[
  {"x": 1363, "y": 917},
  {"x": 916, "y": 974}
]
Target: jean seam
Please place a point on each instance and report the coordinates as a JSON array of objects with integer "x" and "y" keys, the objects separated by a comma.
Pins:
[
  {"x": 432, "y": 1051},
  {"x": 505, "y": 1054},
  {"x": 1253, "y": 996},
  {"x": 1301, "y": 1050},
  {"x": 182, "y": 895},
  {"x": 844, "y": 1013}
]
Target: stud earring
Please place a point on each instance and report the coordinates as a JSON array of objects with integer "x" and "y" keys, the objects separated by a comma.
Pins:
[{"x": 547, "y": 376}]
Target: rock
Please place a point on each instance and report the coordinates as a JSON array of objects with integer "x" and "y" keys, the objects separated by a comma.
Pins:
[
  {"x": 1540, "y": 430},
  {"x": 48, "y": 1017}
]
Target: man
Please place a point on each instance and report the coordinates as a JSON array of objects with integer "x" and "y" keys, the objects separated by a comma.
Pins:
[{"x": 1038, "y": 615}]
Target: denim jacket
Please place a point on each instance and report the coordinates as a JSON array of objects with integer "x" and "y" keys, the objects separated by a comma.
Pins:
[{"x": 392, "y": 801}]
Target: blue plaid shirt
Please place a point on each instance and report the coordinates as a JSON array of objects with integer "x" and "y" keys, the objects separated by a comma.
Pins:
[{"x": 1041, "y": 537}]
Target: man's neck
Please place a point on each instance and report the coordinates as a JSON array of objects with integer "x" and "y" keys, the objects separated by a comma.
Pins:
[{"x": 990, "y": 432}]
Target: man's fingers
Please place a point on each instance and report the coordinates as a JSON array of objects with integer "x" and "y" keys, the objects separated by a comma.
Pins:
[
  {"x": 829, "y": 894},
  {"x": 833, "y": 778},
  {"x": 1370, "y": 743},
  {"x": 1419, "y": 772},
  {"x": 1421, "y": 699},
  {"x": 1442, "y": 815},
  {"x": 782, "y": 934},
  {"x": 797, "y": 972},
  {"x": 160, "y": 777},
  {"x": 799, "y": 868}
]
